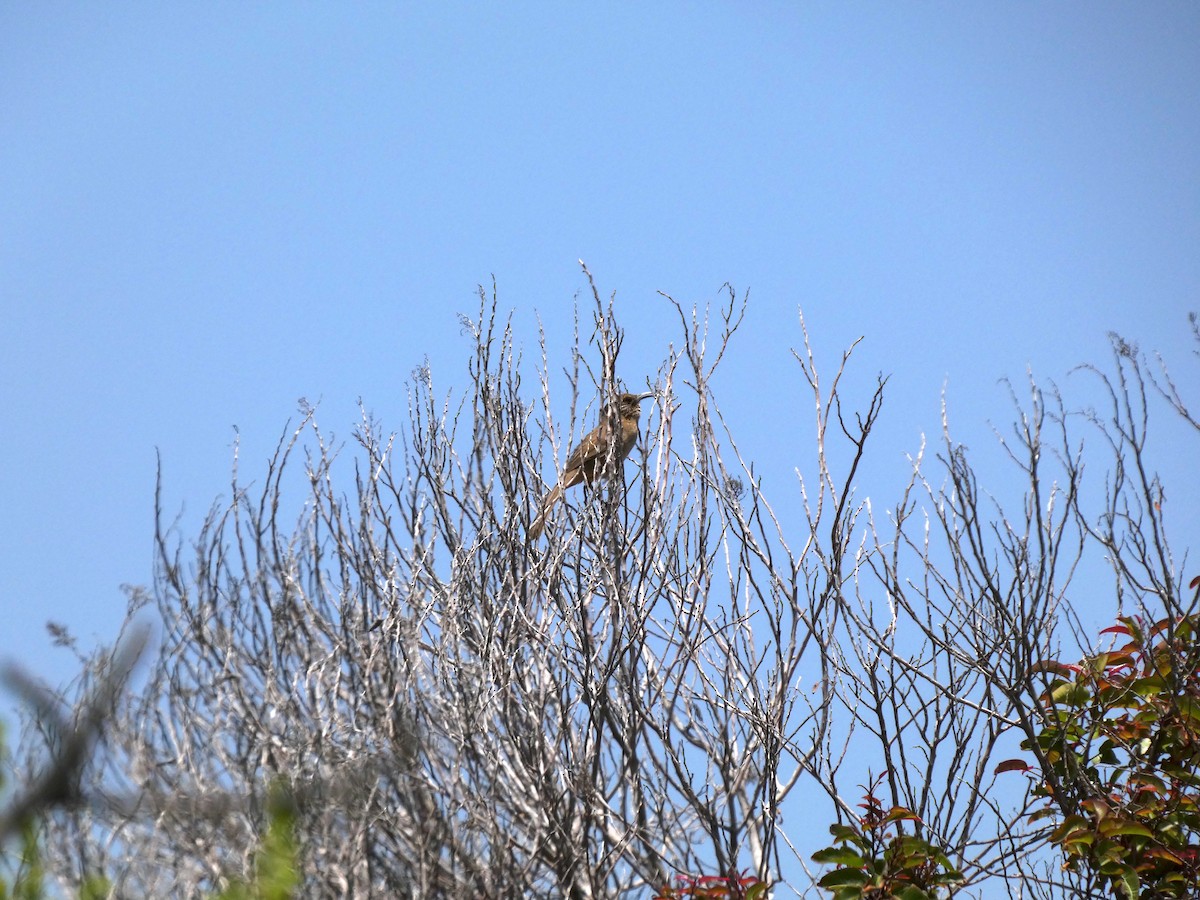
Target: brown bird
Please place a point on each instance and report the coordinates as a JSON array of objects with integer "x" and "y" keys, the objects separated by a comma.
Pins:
[{"x": 586, "y": 461}]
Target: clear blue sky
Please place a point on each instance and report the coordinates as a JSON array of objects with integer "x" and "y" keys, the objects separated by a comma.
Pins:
[{"x": 210, "y": 210}]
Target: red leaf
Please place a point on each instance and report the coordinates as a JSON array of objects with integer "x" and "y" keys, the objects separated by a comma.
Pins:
[
  {"x": 1118, "y": 629},
  {"x": 1194, "y": 583},
  {"x": 1013, "y": 765},
  {"x": 1162, "y": 625},
  {"x": 1052, "y": 665}
]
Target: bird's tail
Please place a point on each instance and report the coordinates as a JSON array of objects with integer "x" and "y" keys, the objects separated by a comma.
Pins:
[{"x": 535, "y": 530}]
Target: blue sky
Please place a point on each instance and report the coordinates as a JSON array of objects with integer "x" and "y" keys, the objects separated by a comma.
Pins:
[{"x": 210, "y": 210}]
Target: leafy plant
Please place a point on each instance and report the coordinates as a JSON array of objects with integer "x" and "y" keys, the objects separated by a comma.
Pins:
[
  {"x": 276, "y": 875},
  {"x": 1119, "y": 759},
  {"x": 714, "y": 887},
  {"x": 26, "y": 871},
  {"x": 875, "y": 858}
]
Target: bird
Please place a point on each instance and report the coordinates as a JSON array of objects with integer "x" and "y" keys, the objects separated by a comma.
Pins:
[{"x": 586, "y": 461}]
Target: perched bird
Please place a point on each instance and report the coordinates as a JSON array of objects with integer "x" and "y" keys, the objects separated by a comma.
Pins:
[{"x": 586, "y": 461}]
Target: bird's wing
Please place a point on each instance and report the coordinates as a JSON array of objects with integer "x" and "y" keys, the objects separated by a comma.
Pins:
[{"x": 584, "y": 459}]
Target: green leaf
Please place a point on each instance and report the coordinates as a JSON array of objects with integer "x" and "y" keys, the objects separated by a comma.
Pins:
[
  {"x": 1118, "y": 827},
  {"x": 1069, "y": 829},
  {"x": 94, "y": 887},
  {"x": 1046, "y": 813},
  {"x": 950, "y": 877},
  {"x": 847, "y": 834},
  {"x": 1130, "y": 883},
  {"x": 838, "y": 856},
  {"x": 842, "y": 878},
  {"x": 1070, "y": 694},
  {"x": 1150, "y": 686},
  {"x": 1190, "y": 707}
]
